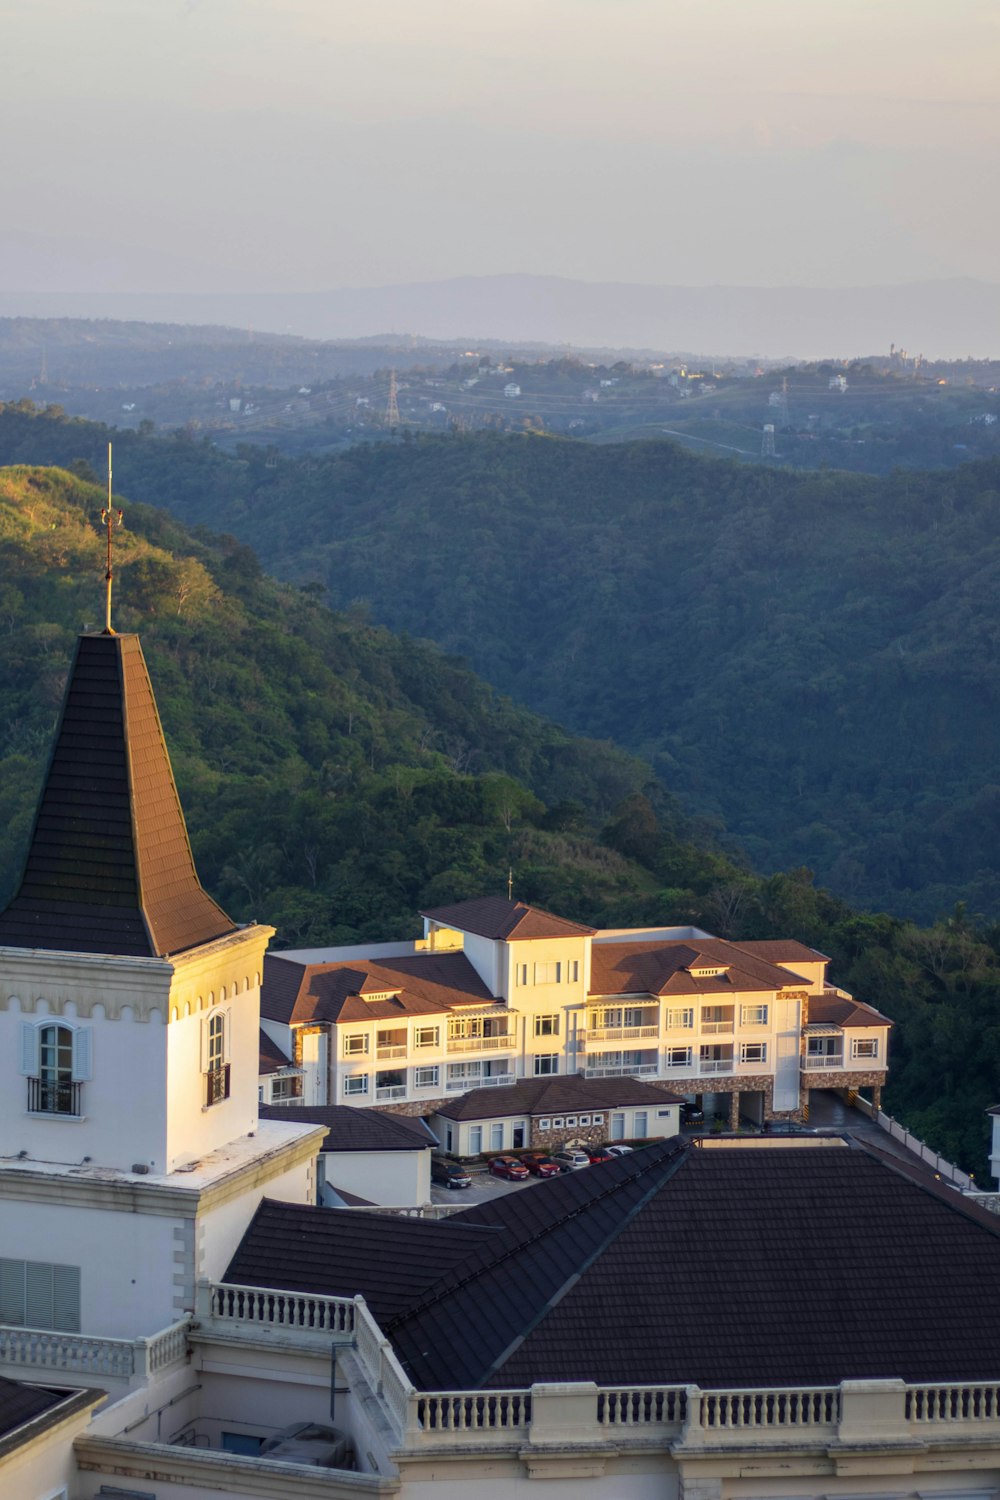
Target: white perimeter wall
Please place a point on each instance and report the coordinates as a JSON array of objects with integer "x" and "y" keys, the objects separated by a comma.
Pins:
[{"x": 395, "y": 1178}]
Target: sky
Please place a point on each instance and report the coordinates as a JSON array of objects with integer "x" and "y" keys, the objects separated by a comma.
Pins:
[{"x": 282, "y": 145}]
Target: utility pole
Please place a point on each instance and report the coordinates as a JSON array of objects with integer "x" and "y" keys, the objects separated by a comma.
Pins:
[
  {"x": 391, "y": 407},
  {"x": 767, "y": 441}
]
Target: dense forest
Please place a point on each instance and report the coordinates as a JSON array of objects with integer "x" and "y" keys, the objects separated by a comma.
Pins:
[
  {"x": 806, "y": 660},
  {"x": 337, "y": 778}
]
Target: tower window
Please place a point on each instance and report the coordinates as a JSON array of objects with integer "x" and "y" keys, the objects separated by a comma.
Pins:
[
  {"x": 215, "y": 1057},
  {"x": 55, "y": 1059}
]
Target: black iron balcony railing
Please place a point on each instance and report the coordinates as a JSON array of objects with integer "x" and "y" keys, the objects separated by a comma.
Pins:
[{"x": 54, "y": 1097}]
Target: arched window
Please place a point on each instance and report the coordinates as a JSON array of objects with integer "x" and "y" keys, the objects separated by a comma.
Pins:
[
  {"x": 215, "y": 1056},
  {"x": 55, "y": 1060}
]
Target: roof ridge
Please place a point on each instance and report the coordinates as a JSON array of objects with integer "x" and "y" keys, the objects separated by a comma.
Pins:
[{"x": 678, "y": 1150}]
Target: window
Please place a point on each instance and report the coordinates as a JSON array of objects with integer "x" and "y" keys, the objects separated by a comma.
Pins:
[
  {"x": 496, "y": 1136},
  {"x": 215, "y": 1056},
  {"x": 357, "y": 1084},
  {"x": 545, "y": 1124},
  {"x": 864, "y": 1046},
  {"x": 548, "y": 973},
  {"x": 546, "y": 1062},
  {"x": 573, "y": 970},
  {"x": 35, "y": 1294},
  {"x": 520, "y": 973},
  {"x": 475, "y": 1140},
  {"x": 640, "y": 1123},
  {"x": 285, "y": 1088},
  {"x": 558, "y": 1123},
  {"x": 678, "y": 1057},
  {"x": 584, "y": 1119},
  {"x": 546, "y": 1025},
  {"x": 753, "y": 1052},
  {"x": 597, "y": 1119},
  {"x": 425, "y": 1078},
  {"x": 356, "y": 1044},
  {"x": 680, "y": 1020},
  {"x": 426, "y": 1036},
  {"x": 56, "y": 1060},
  {"x": 449, "y": 1138},
  {"x": 570, "y": 1121},
  {"x": 618, "y": 1127},
  {"x": 753, "y": 1015}
]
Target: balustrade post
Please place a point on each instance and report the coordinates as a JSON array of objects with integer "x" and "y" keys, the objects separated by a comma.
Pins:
[
  {"x": 140, "y": 1361},
  {"x": 563, "y": 1413},
  {"x": 873, "y": 1411},
  {"x": 692, "y": 1433},
  {"x": 203, "y": 1300}
]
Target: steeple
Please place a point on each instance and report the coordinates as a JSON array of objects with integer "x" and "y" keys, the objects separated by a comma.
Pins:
[{"x": 110, "y": 868}]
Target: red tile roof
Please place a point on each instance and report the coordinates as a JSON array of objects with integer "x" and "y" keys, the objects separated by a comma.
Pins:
[
  {"x": 654, "y": 967},
  {"x": 507, "y": 921},
  {"x": 294, "y": 992},
  {"x": 834, "y": 1010},
  {"x": 554, "y": 1096},
  {"x": 783, "y": 951}
]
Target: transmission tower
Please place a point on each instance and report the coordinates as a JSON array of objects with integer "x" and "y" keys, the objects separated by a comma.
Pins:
[
  {"x": 767, "y": 441},
  {"x": 391, "y": 406}
]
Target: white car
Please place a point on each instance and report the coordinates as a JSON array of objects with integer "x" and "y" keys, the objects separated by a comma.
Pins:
[
  {"x": 618, "y": 1150},
  {"x": 571, "y": 1160}
]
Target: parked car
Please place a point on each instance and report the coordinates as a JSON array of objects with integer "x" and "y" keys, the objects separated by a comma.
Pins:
[
  {"x": 540, "y": 1165},
  {"x": 570, "y": 1160},
  {"x": 449, "y": 1174},
  {"x": 618, "y": 1149},
  {"x": 597, "y": 1154},
  {"x": 692, "y": 1115},
  {"x": 509, "y": 1167}
]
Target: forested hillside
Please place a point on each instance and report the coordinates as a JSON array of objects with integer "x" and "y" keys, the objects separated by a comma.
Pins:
[
  {"x": 337, "y": 778},
  {"x": 807, "y": 659}
]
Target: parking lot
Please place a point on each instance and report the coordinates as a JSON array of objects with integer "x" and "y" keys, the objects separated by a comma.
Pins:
[{"x": 484, "y": 1187}]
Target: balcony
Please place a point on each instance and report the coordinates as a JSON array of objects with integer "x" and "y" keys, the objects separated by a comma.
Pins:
[
  {"x": 480, "y": 1043},
  {"x": 398, "y": 1049},
  {"x": 463, "y": 1085},
  {"x": 621, "y": 1033},
  {"x": 389, "y": 1092},
  {"x": 623, "y": 1070},
  {"x": 823, "y": 1060},
  {"x": 710, "y": 1065},
  {"x": 717, "y": 1028}
]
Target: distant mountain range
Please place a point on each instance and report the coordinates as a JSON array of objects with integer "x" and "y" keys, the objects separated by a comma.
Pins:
[{"x": 942, "y": 319}]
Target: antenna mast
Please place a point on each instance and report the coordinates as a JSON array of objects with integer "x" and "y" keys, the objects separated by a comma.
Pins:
[
  {"x": 391, "y": 407},
  {"x": 111, "y": 519}
]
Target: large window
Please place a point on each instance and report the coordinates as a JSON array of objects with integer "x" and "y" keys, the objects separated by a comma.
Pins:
[
  {"x": 753, "y": 1015},
  {"x": 496, "y": 1136},
  {"x": 357, "y": 1084},
  {"x": 678, "y": 1057},
  {"x": 546, "y": 1025},
  {"x": 425, "y": 1078},
  {"x": 680, "y": 1020},
  {"x": 426, "y": 1036},
  {"x": 55, "y": 1059},
  {"x": 753, "y": 1052},
  {"x": 356, "y": 1044},
  {"x": 35, "y": 1294},
  {"x": 864, "y": 1046},
  {"x": 475, "y": 1139},
  {"x": 546, "y": 1062}
]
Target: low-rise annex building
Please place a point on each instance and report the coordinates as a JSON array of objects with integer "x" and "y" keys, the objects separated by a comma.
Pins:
[
  {"x": 497, "y": 992},
  {"x": 366, "y": 1154}
]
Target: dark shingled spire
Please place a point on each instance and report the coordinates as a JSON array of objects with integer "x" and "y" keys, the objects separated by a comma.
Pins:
[{"x": 110, "y": 868}]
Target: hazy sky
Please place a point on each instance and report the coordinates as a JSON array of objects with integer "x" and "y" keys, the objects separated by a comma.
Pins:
[{"x": 281, "y": 144}]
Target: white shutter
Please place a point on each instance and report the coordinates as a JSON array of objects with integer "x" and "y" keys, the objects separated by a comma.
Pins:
[
  {"x": 204, "y": 1044},
  {"x": 30, "y": 1061},
  {"x": 66, "y": 1298},
  {"x": 227, "y": 1027},
  {"x": 12, "y": 1292},
  {"x": 82, "y": 1055},
  {"x": 38, "y": 1294}
]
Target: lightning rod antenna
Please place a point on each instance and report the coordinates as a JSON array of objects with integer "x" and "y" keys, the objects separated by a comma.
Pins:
[{"x": 111, "y": 519}]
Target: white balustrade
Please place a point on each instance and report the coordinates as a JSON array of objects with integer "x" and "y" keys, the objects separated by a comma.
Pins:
[
  {"x": 474, "y": 1411},
  {"x": 623, "y": 1070},
  {"x": 70, "y": 1353},
  {"x": 480, "y": 1043},
  {"x": 621, "y": 1033},
  {"x": 809, "y": 1407},
  {"x": 814, "y": 1060},
  {"x": 953, "y": 1403},
  {"x": 717, "y": 1028},
  {"x": 279, "y": 1309},
  {"x": 391, "y": 1091},
  {"x": 709, "y": 1065},
  {"x": 642, "y": 1406}
]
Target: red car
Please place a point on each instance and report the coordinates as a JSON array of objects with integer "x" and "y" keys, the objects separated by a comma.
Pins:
[
  {"x": 509, "y": 1167},
  {"x": 540, "y": 1165},
  {"x": 598, "y": 1154}
]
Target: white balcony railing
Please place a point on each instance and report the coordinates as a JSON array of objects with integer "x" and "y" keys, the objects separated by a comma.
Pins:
[
  {"x": 390, "y": 1091},
  {"x": 462, "y": 1085},
  {"x": 622, "y": 1070},
  {"x": 817, "y": 1406},
  {"x": 479, "y": 1043},
  {"x": 822, "y": 1060},
  {"x": 398, "y": 1049},
  {"x": 708, "y": 1065},
  {"x": 717, "y": 1028},
  {"x": 77, "y": 1354},
  {"x": 621, "y": 1033}
]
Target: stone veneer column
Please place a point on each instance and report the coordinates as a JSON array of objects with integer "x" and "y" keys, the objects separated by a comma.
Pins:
[{"x": 734, "y": 1110}]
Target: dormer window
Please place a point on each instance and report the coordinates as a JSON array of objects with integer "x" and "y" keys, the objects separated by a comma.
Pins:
[
  {"x": 55, "y": 1059},
  {"x": 708, "y": 971}
]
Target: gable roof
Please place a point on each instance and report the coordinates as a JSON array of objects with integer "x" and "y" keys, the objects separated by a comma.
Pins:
[
  {"x": 651, "y": 966},
  {"x": 294, "y": 992},
  {"x": 554, "y": 1095},
  {"x": 783, "y": 951},
  {"x": 109, "y": 868},
  {"x": 356, "y": 1129},
  {"x": 839, "y": 1263},
  {"x": 507, "y": 921},
  {"x": 271, "y": 1059},
  {"x": 841, "y": 1010}
]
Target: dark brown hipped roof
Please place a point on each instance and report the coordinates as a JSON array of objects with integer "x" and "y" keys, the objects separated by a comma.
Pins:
[
  {"x": 110, "y": 868},
  {"x": 494, "y": 917}
]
